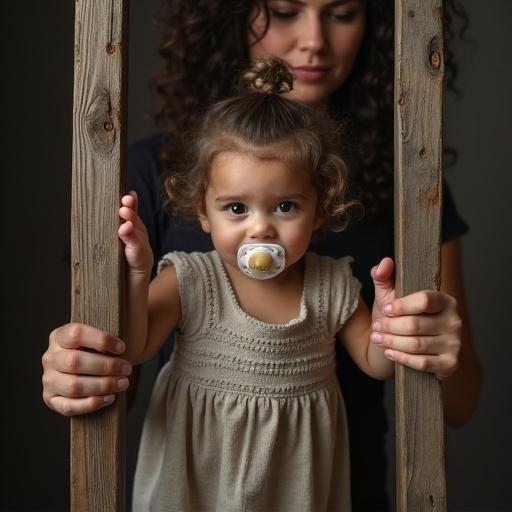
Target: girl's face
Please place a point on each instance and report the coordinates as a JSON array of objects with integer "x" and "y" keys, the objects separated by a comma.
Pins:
[
  {"x": 249, "y": 200},
  {"x": 318, "y": 39}
]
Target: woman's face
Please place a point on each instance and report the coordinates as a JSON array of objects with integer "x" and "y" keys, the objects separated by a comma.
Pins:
[{"x": 318, "y": 39}]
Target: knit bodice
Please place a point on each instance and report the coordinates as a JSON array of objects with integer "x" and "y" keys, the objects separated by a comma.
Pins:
[{"x": 223, "y": 348}]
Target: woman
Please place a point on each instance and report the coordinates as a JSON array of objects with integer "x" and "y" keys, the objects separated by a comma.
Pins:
[{"x": 342, "y": 55}]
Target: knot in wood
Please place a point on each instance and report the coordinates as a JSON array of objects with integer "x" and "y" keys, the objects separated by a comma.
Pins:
[
  {"x": 100, "y": 124},
  {"x": 435, "y": 60}
]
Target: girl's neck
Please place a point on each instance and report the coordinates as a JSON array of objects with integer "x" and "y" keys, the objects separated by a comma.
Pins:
[{"x": 273, "y": 301}]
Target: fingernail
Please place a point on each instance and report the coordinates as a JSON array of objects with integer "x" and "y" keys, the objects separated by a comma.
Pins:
[
  {"x": 389, "y": 354},
  {"x": 376, "y": 326},
  {"x": 108, "y": 399},
  {"x": 126, "y": 369},
  {"x": 376, "y": 337},
  {"x": 122, "y": 384},
  {"x": 119, "y": 348},
  {"x": 388, "y": 309}
]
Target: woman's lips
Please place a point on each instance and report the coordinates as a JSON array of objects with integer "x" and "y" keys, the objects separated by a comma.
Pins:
[{"x": 311, "y": 73}]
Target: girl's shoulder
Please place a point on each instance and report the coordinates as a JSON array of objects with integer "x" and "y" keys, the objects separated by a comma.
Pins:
[
  {"x": 329, "y": 263},
  {"x": 197, "y": 286},
  {"x": 337, "y": 287},
  {"x": 189, "y": 262}
]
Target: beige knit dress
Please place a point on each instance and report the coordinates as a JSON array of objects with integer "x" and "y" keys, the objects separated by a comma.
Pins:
[{"x": 248, "y": 416}]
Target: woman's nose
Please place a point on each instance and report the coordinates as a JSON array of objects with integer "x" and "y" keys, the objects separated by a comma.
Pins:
[{"x": 312, "y": 37}]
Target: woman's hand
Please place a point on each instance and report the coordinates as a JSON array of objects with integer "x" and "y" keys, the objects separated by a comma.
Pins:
[
  {"x": 78, "y": 381},
  {"x": 421, "y": 330}
]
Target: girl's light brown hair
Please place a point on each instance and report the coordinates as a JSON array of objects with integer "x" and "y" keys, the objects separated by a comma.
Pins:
[{"x": 261, "y": 122}]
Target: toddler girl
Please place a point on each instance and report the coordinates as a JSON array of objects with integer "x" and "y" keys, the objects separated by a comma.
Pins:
[{"x": 248, "y": 414}]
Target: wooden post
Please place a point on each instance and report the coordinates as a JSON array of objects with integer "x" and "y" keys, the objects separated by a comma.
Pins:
[
  {"x": 99, "y": 133},
  {"x": 419, "y": 67}
]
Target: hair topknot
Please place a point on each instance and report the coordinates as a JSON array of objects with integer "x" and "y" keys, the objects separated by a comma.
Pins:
[{"x": 268, "y": 76}]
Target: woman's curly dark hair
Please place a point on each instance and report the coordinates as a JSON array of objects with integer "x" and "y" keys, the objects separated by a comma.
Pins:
[{"x": 204, "y": 49}]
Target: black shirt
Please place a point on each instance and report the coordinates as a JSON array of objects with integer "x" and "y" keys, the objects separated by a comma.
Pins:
[{"x": 367, "y": 241}]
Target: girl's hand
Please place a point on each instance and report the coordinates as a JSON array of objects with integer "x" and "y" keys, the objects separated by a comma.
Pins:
[
  {"x": 421, "y": 330},
  {"x": 134, "y": 235},
  {"x": 77, "y": 381}
]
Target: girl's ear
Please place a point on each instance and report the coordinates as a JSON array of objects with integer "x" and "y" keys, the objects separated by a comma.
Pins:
[{"x": 203, "y": 219}]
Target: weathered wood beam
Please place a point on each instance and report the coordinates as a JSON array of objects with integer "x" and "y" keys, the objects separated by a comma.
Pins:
[
  {"x": 419, "y": 69},
  {"x": 98, "y": 160}
]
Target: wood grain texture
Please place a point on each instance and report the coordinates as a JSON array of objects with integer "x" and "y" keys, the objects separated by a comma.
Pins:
[
  {"x": 98, "y": 161},
  {"x": 419, "y": 69}
]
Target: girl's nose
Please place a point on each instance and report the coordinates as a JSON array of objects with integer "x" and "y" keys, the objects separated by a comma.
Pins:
[
  {"x": 261, "y": 228},
  {"x": 312, "y": 37}
]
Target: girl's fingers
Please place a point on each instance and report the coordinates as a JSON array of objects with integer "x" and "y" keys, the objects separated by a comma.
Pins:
[
  {"x": 441, "y": 366},
  {"x": 130, "y": 215},
  {"x": 77, "y": 406},
  {"x": 75, "y": 335},
  {"x": 125, "y": 230},
  {"x": 424, "y": 301},
  {"x": 383, "y": 272},
  {"x": 135, "y": 198},
  {"x": 382, "y": 275},
  {"x": 130, "y": 200}
]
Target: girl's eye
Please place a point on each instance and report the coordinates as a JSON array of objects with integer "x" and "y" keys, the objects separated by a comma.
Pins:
[
  {"x": 236, "y": 208},
  {"x": 285, "y": 207}
]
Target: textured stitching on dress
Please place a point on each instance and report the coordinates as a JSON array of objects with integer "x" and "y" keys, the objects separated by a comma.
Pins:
[
  {"x": 287, "y": 346},
  {"x": 285, "y": 391},
  {"x": 212, "y": 299},
  {"x": 227, "y": 336},
  {"x": 321, "y": 317},
  {"x": 291, "y": 367}
]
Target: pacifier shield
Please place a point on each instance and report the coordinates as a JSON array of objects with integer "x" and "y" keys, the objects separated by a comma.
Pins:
[{"x": 261, "y": 261}]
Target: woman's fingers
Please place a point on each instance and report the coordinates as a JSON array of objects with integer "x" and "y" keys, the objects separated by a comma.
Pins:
[
  {"x": 80, "y": 362},
  {"x": 412, "y": 344},
  {"x": 76, "y": 336},
  {"x": 424, "y": 301},
  {"x": 419, "y": 325},
  {"x": 76, "y": 406},
  {"x": 441, "y": 366},
  {"x": 80, "y": 386},
  {"x": 78, "y": 381}
]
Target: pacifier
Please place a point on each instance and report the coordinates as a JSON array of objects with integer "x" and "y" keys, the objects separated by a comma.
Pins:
[{"x": 261, "y": 261}]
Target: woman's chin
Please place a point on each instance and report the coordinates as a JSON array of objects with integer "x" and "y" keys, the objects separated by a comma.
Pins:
[{"x": 311, "y": 96}]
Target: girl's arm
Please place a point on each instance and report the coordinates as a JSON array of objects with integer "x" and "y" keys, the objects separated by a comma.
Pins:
[
  {"x": 357, "y": 334},
  {"x": 356, "y": 337},
  {"x": 152, "y": 310}
]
